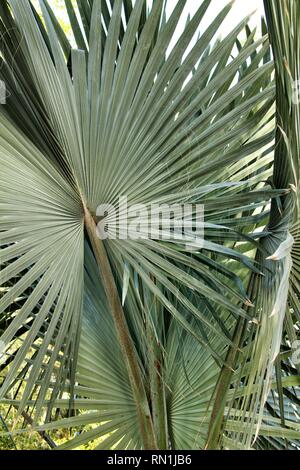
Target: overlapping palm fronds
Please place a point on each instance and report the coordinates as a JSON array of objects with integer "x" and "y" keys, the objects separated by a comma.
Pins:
[{"x": 269, "y": 345}]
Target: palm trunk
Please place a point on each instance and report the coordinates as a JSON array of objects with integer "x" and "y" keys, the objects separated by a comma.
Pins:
[{"x": 128, "y": 349}]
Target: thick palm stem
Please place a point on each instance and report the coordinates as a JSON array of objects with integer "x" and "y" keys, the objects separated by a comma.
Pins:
[{"x": 125, "y": 340}]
